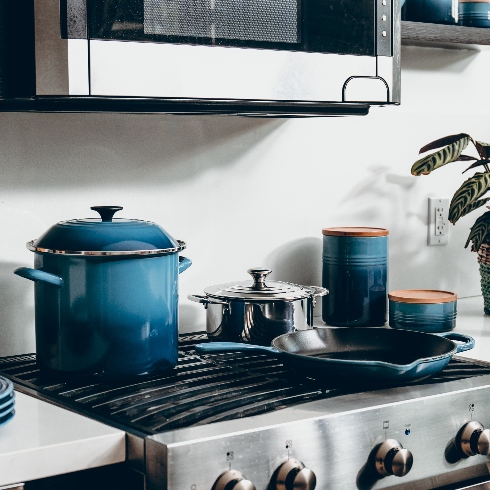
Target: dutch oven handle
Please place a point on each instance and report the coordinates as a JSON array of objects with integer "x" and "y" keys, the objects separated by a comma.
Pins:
[
  {"x": 468, "y": 342},
  {"x": 184, "y": 263},
  {"x": 38, "y": 275}
]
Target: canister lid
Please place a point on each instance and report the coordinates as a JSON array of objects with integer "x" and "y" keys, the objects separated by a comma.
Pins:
[
  {"x": 424, "y": 296},
  {"x": 258, "y": 290},
  {"x": 355, "y": 231},
  {"x": 106, "y": 235}
]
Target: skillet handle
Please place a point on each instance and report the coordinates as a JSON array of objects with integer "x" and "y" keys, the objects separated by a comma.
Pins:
[
  {"x": 468, "y": 342},
  {"x": 217, "y": 347}
]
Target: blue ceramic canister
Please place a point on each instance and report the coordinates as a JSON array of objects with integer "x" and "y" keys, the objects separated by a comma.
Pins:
[
  {"x": 106, "y": 296},
  {"x": 355, "y": 271},
  {"x": 474, "y": 14},
  {"x": 423, "y": 310}
]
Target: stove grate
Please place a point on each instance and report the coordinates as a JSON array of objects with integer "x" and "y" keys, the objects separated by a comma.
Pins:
[{"x": 200, "y": 390}]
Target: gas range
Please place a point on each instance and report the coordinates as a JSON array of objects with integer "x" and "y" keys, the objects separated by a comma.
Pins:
[{"x": 242, "y": 421}]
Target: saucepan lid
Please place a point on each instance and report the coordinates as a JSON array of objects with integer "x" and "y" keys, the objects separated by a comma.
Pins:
[
  {"x": 106, "y": 235},
  {"x": 259, "y": 290}
]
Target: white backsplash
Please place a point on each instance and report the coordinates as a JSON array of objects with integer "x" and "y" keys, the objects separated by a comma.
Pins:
[{"x": 243, "y": 191}]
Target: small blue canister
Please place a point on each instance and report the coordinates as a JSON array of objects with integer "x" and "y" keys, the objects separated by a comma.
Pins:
[
  {"x": 355, "y": 270},
  {"x": 423, "y": 310}
]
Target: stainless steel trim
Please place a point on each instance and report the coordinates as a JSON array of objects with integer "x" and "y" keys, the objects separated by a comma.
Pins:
[
  {"x": 122, "y": 68},
  {"x": 61, "y": 64},
  {"x": 395, "y": 60},
  {"x": 51, "y": 51},
  {"x": 373, "y": 89},
  {"x": 422, "y": 418},
  {"x": 163, "y": 251},
  {"x": 78, "y": 62}
]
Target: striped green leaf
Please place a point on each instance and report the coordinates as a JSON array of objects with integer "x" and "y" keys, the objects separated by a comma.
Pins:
[
  {"x": 479, "y": 232},
  {"x": 475, "y": 205},
  {"x": 447, "y": 140},
  {"x": 449, "y": 153},
  {"x": 471, "y": 190},
  {"x": 483, "y": 149}
]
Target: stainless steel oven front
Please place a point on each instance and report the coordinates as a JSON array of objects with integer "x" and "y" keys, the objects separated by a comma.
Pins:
[
  {"x": 243, "y": 421},
  {"x": 403, "y": 438}
]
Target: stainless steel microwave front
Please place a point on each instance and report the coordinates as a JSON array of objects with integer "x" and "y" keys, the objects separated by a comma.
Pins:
[{"x": 289, "y": 50}]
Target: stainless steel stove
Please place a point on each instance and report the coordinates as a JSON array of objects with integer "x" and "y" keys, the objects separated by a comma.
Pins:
[{"x": 244, "y": 422}]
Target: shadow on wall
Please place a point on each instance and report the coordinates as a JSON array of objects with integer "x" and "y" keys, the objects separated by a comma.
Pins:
[
  {"x": 299, "y": 262},
  {"x": 17, "y": 335},
  {"x": 43, "y": 150},
  {"x": 449, "y": 60}
]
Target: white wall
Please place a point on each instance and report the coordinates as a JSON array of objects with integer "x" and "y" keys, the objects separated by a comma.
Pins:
[{"x": 243, "y": 192}]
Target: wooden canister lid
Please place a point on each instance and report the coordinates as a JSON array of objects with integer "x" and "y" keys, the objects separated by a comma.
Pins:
[
  {"x": 354, "y": 231},
  {"x": 425, "y": 296}
]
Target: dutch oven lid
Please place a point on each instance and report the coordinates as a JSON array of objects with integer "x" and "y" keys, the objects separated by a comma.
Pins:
[
  {"x": 258, "y": 290},
  {"x": 106, "y": 235}
]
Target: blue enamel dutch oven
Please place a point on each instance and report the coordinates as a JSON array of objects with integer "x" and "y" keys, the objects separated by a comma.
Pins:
[
  {"x": 106, "y": 296},
  {"x": 358, "y": 355}
]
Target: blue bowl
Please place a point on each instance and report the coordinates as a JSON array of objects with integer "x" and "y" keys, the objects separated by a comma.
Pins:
[
  {"x": 474, "y": 14},
  {"x": 422, "y": 310}
]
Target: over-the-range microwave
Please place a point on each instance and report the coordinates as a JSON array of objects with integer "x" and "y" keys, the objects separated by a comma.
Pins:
[{"x": 257, "y": 57}]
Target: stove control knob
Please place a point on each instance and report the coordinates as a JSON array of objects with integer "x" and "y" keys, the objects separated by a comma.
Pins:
[
  {"x": 293, "y": 475},
  {"x": 474, "y": 439},
  {"x": 233, "y": 480},
  {"x": 393, "y": 459}
]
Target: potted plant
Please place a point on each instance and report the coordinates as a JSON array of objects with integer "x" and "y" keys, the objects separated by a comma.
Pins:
[{"x": 468, "y": 197}]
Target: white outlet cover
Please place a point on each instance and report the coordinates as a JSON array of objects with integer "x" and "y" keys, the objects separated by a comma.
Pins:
[{"x": 437, "y": 222}]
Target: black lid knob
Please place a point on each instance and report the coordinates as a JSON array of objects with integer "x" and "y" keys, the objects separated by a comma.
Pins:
[{"x": 106, "y": 212}]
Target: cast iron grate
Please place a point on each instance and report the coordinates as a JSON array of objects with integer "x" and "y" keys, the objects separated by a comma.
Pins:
[{"x": 200, "y": 390}]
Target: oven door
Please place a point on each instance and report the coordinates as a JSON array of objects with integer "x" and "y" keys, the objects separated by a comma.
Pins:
[{"x": 276, "y": 50}]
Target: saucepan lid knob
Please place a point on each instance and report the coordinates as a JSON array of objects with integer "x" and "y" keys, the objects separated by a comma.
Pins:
[{"x": 259, "y": 274}]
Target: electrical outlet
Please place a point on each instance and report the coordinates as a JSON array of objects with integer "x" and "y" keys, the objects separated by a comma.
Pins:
[{"x": 437, "y": 232}]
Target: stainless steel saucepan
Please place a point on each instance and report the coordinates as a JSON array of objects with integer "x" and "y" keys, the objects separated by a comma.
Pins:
[{"x": 256, "y": 312}]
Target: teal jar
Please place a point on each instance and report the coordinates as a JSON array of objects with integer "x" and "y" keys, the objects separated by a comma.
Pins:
[
  {"x": 355, "y": 271},
  {"x": 423, "y": 310}
]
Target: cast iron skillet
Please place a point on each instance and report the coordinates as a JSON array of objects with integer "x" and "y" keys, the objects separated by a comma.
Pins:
[{"x": 379, "y": 355}]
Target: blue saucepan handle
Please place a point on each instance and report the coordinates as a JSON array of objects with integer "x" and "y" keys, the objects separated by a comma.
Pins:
[
  {"x": 39, "y": 275},
  {"x": 468, "y": 342},
  {"x": 216, "y": 347},
  {"x": 184, "y": 264}
]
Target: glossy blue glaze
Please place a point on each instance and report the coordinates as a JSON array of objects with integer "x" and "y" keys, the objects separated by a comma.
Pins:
[
  {"x": 436, "y": 11},
  {"x": 38, "y": 275},
  {"x": 467, "y": 342},
  {"x": 474, "y": 14},
  {"x": 348, "y": 369},
  {"x": 114, "y": 316},
  {"x": 92, "y": 234},
  {"x": 429, "y": 318},
  {"x": 355, "y": 270}
]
